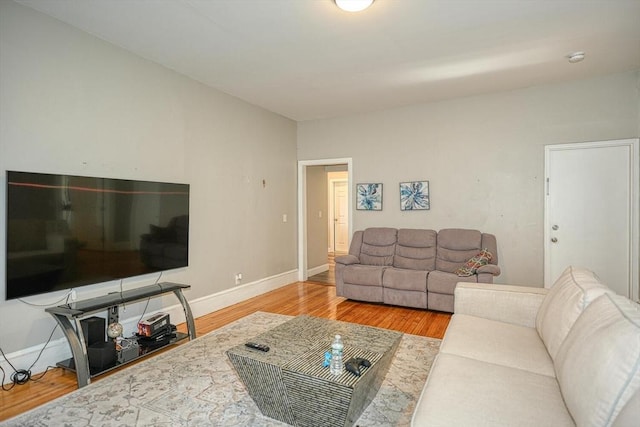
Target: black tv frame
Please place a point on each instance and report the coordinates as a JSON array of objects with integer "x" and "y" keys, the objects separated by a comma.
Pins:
[{"x": 151, "y": 219}]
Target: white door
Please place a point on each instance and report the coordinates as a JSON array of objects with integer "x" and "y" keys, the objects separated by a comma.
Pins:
[
  {"x": 590, "y": 212},
  {"x": 341, "y": 216}
]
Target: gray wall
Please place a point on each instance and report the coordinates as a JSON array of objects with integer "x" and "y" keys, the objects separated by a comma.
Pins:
[
  {"x": 483, "y": 157},
  {"x": 317, "y": 226},
  {"x": 74, "y": 104}
]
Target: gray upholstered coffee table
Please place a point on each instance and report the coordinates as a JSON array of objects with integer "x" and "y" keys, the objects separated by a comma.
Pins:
[{"x": 290, "y": 384}]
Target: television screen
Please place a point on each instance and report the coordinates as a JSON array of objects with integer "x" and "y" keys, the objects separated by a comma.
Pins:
[{"x": 67, "y": 231}]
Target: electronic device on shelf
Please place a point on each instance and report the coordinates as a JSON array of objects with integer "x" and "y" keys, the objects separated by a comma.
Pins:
[
  {"x": 160, "y": 338},
  {"x": 153, "y": 325},
  {"x": 66, "y": 231}
]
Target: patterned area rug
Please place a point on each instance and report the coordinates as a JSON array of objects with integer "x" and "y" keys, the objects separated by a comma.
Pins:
[{"x": 196, "y": 385}]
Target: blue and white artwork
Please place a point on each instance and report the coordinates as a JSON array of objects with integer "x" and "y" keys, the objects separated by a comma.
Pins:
[
  {"x": 414, "y": 196},
  {"x": 369, "y": 197}
]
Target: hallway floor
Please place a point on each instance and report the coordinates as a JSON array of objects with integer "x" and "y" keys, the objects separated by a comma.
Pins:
[{"x": 327, "y": 277}]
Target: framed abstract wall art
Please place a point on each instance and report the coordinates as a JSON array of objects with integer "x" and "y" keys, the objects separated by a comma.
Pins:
[
  {"x": 369, "y": 197},
  {"x": 414, "y": 196}
]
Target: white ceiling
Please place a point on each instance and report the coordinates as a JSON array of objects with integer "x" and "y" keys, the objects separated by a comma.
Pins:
[{"x": 306, "y": 59}]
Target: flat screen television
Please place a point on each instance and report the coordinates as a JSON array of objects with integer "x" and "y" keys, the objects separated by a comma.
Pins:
[{"x": 65, "y": 231}]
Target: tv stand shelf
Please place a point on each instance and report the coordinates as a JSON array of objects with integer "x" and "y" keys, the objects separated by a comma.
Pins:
[
  {"x": 68, "y": 314},
  {"x": 69, "y": 364}
]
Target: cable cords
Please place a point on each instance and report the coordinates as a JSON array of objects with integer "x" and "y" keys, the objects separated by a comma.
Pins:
[{"x": 23, "y": 376}]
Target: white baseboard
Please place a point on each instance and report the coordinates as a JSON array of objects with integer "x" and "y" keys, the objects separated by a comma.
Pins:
[
  {"x": 219, "y": 300},
  {"x": 317, "y": 270},
  {"x": 58, "y": 349}
]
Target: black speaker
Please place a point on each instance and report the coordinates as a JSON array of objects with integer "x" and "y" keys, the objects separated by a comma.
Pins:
[
  {"x": 93, "y": 329},
  {"x": 102, "y": 356}
]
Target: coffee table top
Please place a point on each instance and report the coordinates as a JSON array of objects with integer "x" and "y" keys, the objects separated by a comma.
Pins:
[
  {"x": 310, "y": 364},
  {"x": 298, "y": 337},
  {"x": 289, "y": 383}
]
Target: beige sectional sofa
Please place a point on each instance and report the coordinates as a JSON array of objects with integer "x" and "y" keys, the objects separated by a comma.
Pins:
[
  {"x": 525, "y": 356},
  {"x": 411, "y": 267}
]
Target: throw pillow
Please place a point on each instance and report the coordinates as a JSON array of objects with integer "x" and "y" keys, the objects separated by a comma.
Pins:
[{"x": 470, "y": 267}]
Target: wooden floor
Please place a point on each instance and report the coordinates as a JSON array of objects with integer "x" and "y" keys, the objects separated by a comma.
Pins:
[
  {"x": 327, "y": 277},
  {"x": 294, "y": 299}
]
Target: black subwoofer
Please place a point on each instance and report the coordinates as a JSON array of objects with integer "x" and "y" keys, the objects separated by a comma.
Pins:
[
  {"x": 93, "y": 329},
  {"x": 102, "y": 356}
]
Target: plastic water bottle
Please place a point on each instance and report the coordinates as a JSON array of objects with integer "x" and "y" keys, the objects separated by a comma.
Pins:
[{"x": 336, "y": 355}]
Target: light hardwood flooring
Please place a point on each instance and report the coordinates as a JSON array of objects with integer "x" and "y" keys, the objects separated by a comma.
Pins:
[
  {"x": 327, "y": 277},
  {"x": 297, "y": 298}
]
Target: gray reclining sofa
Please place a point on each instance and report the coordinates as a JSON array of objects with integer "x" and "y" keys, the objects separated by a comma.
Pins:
[{"x": 412, "y": 267}]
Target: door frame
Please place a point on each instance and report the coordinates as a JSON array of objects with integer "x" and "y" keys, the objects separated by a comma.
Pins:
[
  {"x": 302, "y": 205},
  {"x": 634, "y": 149}
]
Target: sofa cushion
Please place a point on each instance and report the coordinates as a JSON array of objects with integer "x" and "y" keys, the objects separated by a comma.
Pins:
[
  {"x": 401, "y": 279},
  {"x": 416, "y": 249},
  {"x": 471, "y": 266},
  {"x": 517, "y": 305},
  {"x": 404, "y": 298},
  {"x": 378, "y": 246},
  {"x": 497, "y": 342},
  {"x": 467, "y": 392},
  {"x": 358, "y": 274},
  {"x": 445, "y": 283},
  {"x": 574, "y": 290},
  {"x": 440, "y": 302},
  {"x": 598, "y": 364},
  {"x": 455, "y": 247},
  {"x": 363, "y": 293}
]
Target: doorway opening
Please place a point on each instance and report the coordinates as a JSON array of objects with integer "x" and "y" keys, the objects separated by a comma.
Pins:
[{"x": 324, "y": 216}]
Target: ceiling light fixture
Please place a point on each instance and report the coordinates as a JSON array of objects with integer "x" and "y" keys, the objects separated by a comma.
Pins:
[
  {"x": 353, "y": 5},
  {"x": 575, "y": 57}
]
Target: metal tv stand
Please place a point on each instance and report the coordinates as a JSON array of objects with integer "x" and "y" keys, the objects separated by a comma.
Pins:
[{"x": 68, "y": 314}]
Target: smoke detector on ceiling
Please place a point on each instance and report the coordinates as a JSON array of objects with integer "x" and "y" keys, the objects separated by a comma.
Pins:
[{"x": 575, "y": 57}]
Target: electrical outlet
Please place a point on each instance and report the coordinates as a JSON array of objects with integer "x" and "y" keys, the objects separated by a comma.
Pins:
[{"x": 238, "y": 278}]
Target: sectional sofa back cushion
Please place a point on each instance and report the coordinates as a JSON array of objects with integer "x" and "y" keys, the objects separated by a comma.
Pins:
[
  {"x": 598, "y": 365},
  {"x": 574, "y": 290},
  {"x": 416, "y": 250},
  {"x": 455, "y": 247},
  {"x": 378, "y": 246}
]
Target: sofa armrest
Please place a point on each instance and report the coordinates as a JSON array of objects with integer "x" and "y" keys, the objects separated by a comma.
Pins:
[
  {"x": 492, "y": 269},
  {"x": 517, "y": 305},
  {"x": 347, "y": 259}
]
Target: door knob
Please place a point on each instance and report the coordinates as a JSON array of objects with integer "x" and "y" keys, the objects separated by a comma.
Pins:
[{"x": 554, "y": 240}]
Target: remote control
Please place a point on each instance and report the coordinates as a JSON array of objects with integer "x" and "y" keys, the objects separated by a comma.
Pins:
[{"x": 257, "y": 346}]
